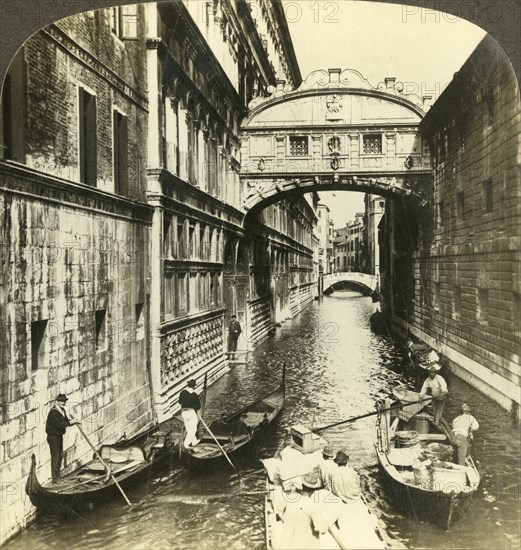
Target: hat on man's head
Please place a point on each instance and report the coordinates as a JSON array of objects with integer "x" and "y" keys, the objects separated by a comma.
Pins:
[
  {"x": 311, "y": 481},
  {"x": 434, "y": 368},
  {"x": 191, "y": 383},
  {"x": 465, "y": 408},
  {"x": 341, "y": 458},
  {"x": 62, "y": 397},
  {"x": 328, "y": 451},
  {"x": 234, "y": 316}
]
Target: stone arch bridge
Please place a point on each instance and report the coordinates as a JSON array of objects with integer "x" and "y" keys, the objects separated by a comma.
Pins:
[
  {"x": 335, "y": 132},
  {"x": 367, "y": 282}
]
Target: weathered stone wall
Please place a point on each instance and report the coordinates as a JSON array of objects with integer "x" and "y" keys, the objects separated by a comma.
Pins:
[
  {"x": 464, "y": 279},
  {"x": 74, "y": 259}
]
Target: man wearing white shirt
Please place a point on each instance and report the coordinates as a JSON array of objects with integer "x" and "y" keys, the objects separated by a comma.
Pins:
[
  {"x": 437, "y": 387},
  {"x": 462, "y": 428}
]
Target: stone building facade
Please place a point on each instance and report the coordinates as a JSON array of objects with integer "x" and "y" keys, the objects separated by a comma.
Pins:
[
  {"x": 75, "y": 236},
  {"x": 349, "y": 245},
  {"x": 124, "y": 249},
  {"x": 453, "y": 270},
  {"x": 374, "y": 210}
]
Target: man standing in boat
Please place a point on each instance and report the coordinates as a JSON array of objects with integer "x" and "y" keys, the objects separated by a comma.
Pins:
[
  {"x": 57, "y": 423},
  {"x": 437, "y": 387},
  {"x": 190, "y": 404},
  {"x": 234, "y": 331},
  {"x": 462, "y": 428}
]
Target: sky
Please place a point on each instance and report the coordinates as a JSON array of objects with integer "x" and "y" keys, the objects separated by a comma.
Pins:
[{"x": 421, "y": 47}]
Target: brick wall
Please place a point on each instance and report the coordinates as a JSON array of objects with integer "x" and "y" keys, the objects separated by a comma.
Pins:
[{"x": 466, "y": 264}]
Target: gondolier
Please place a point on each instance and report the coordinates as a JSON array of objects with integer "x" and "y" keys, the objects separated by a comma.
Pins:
[
  {"x": 462, "y": 428},
  {"x": 437, "y": 387},
  {"x": 234, "y": 331},
  {"x": 57, "y": 423},
  {"x": 190, "y": 404}
]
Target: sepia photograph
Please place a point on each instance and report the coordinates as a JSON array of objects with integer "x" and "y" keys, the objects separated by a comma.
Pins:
[{"x": 260, "y": 275}]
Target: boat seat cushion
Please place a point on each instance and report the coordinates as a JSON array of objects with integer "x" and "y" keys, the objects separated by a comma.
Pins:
[
  {"x": 110, "y": 454},
  {"x": 404, "y": 457}
]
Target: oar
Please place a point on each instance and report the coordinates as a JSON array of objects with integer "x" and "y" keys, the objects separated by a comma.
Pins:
[
  {"x": 219, "y": 445},
  {"x": 103, "y": 463},
  {"x": 316, "y": 430}
]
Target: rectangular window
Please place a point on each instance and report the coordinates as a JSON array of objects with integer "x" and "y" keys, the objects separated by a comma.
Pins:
[
  {"x": 12, "y": 112},
  {"x": 441, "y": 213},
  {"x": 191, "y": 241},
  {"x": 88, "y": 141},
  {"x": 193, "y": 294},
  {"x": 38, "y": 345},
  {"x": 460, "y": 205},
  {"x": 123, "y": 21},
  {"x": 181, "y": 293},
  {"x": 181, "y": 240},
  {"x": 456, "y": 303},
  {"x": 436, "y": 304},
  {"x": 298, "y": 146},
  {"x": 120, "y": 153},
  {"x": 488, "y": 196},
  {"x": 140, "y": 321},
  {"x": 167, "y": 248},
  {"x": 372, "y": 144},
  {"x": 101, "y": 329},
  {"x": 168, "y": 295},
  {"x": 482, "y": 305},
  {"x": 212, "y": 294}
]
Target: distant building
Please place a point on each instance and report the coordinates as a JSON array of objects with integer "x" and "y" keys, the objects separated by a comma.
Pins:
[
  {"x": 348, "y": 245},
  {"x": 325, "y": 234},
  {"x": 374, "y": 210}
]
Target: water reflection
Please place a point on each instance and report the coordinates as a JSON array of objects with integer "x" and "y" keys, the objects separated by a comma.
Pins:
[{"x": 336, "y": 368}]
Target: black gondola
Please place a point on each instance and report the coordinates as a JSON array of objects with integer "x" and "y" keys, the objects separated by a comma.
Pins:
[
  {"x": 91, "y": 485},
  {"x": 408, "y": 444},
  {"x": 235, "y": 433}
]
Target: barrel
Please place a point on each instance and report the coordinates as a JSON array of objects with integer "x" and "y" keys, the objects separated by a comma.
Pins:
[{"x": 407, "y": 438}]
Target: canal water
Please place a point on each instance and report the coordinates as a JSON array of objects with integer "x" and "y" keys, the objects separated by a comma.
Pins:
[{"x": 335, "y": 369}]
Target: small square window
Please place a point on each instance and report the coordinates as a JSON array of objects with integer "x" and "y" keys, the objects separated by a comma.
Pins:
[
  {"x": 298, "y": 146},
  {"x": 372, "y": 144}
]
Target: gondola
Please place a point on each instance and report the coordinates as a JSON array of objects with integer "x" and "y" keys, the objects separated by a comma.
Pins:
[
  {"x": 235, "y": 433},
  {"x": 91, "y": 485},
  {"x": 349, "y": 524},
  {"x": 415, "y": 456}
]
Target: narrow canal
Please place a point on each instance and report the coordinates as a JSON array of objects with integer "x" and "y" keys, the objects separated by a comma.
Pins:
[{"x": 336, "y": 368}]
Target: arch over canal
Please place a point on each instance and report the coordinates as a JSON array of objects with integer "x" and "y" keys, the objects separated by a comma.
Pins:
[
  {"x": 335, "y": 132},
  {"x": 365, "y": 281}
]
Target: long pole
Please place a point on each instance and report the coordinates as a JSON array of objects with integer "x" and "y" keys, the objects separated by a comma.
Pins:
[
  {"x": 104, "y": 464},
  {"x": 219, "y": 445},
  {"x": 398, "y": 407}
]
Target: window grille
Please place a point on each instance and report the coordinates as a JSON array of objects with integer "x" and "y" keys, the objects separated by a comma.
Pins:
[
  {"x": 372, "y": 144},
  {"x": 298, "y": 146}
]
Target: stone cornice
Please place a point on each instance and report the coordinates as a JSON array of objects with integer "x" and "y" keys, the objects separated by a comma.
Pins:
[
  {"x": 170, "y": 265},
  {"x": 20, "y": 180},
  {"x": 94, "y": 64},
  {"x": 191, "y": 319}
]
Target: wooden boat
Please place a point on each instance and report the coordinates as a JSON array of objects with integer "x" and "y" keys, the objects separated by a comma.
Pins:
[
  {"x": 90, "y": 485},
  {"x": 349, "y": 524},
  {"x": 235, "y": 433},
  {"x": 416, "y": 459}
]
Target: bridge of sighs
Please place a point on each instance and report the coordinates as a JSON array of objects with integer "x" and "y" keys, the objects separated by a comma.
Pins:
[{"x": 335, "y": 132}]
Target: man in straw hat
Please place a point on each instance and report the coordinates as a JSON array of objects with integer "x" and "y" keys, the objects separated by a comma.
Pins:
[
  {"x": 327, "y": 466},
  {"x": 345, "y": 481},
  {"x": 437, "y": 387},
  {"x": 55, "y": 426},
  {"x": 462, "y": 427},
  {"x": 302, "y": 518},
  {"x": 190, "y": 404}
]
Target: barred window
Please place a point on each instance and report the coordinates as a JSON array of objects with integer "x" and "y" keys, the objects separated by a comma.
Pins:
[
  {"x": 372, "y": 144},
  {"x": 123, "y": 21},
  {"x": 298, "y": 146}
]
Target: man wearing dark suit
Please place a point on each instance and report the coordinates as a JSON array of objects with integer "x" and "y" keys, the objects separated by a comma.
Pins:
[
  {"x": 234, "y": 331},
  {"x": 57, "y": 423}
]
